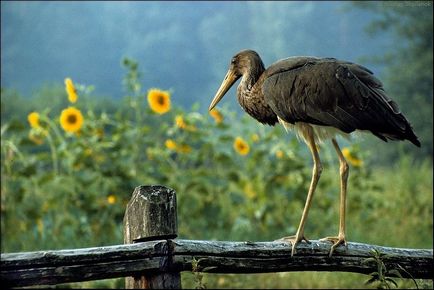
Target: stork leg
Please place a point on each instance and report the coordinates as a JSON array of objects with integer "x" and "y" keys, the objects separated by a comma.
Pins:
[
  {"x": 344, "y": 171},
  {"x": 316, "y": 173}
]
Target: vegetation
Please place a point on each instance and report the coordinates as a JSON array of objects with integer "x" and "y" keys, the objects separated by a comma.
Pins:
[
  {"x": 408, "y": 67},
  {"x": 70, "y": 161},
  {"x": 383, "y": 276},
  {"x": 69, "y": 169}
]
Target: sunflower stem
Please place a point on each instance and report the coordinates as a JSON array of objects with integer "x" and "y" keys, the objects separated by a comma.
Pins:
[
  {"x": 138, "y": 127},
  {"x": 54, "y": 128},
  {"x": 51, "y": 142},
  {"x": 53, "y": 153}
]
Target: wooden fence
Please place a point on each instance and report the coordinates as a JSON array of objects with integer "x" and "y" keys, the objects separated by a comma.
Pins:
[{"x": 153, "y": 258}]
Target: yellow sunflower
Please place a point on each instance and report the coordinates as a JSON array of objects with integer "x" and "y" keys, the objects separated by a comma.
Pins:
[
  {"x": 218, "y": 117},
  {"x": 70, "y": 90},
  {"x": 159, "y": 101},
  {"x": 71, "y": 120},
  {"x": 353, "y": 160},
  {"x": 33, "y": 119},
  {"x": 170, "y": 144},
  {"x": 279, "y": 154},
  {"x": 111, "y": 199},
  {"x": 180, "y": 123},
  {"x": 241, "y": 146}
]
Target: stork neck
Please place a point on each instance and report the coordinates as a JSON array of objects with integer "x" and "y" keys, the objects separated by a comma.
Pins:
[
  {"x": 245, "y": 86},
  {"x": 249, "y": 91},
  {"x": 250, "y": 78},
  {"x": 251, "y": 98}
]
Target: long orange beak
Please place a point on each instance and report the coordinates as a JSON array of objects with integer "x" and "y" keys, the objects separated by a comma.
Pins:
[{"x": 227, "y": 83}]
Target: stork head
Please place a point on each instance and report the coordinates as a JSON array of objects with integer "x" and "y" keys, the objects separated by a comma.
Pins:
[{"x": 243, "y": 63}]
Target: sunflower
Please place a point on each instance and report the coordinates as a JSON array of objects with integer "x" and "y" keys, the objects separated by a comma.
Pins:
[
  {"x": 71, "y": 120},
  {"x": 279, "y": 154},
  {"x": 241, "y": 146},
  {"x": 353, "y": 160},
  {"x": 218, "y": 117},
  {"x": 159, "y": 101},
  {"x": 111, "y": 199},
  {"x": 70, "y": 90},
  {"x": 33, "y": 119},
  {"x": 180, "y": 123},
  {"x": 170, "y": 144}
]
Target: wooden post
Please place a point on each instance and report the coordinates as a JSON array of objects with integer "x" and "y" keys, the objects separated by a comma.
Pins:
[{"x": 151, "y": 215}]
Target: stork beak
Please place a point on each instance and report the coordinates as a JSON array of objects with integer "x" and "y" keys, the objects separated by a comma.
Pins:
[{"x": 227, "y": 83}]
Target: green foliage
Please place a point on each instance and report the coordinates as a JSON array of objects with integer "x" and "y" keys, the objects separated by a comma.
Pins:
[
  {"x": 383, "y": 276},
  {"x": 198, "y": 271},
  {"x": 409, "y": 72},
  {"x": 198, "y": 276},
  {"x": 64, "y": 190}
]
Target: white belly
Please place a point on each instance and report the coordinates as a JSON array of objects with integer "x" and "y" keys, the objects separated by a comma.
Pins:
[{"x": 321, "y": 133}]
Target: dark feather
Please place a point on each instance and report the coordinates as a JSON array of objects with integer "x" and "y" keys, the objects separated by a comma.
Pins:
[{"x": 334, "y": 93}]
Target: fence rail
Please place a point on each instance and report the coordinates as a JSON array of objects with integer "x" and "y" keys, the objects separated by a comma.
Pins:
[
  {"x": 157, "y": 263},
  {"x": 171, "y": 256}
]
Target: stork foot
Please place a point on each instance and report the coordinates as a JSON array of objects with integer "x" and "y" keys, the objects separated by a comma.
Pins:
[
  {"x": 294, "y": 240},
  {"x": 339, "y": 240}
]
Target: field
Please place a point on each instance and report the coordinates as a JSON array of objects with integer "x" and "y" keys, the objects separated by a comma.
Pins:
[{"x": 68, "y": 170}]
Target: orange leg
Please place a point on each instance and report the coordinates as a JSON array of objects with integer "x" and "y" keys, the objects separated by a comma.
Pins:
[
  {"x": 317, "y": 169},
  {"x": 344, "y": 171}
]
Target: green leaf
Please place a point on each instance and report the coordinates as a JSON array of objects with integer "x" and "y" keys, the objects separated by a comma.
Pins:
[
  {"x": 394, "y": 272},
  {"x": 369, "y": 260},
  {"x": 4, "y": 128},
  {"x": 392, "y": 281},
  {"x": 206, "y": 269},
  {"x": 371, "y": 280}
]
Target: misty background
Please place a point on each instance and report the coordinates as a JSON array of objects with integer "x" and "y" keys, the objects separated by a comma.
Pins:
[{"x": 182, "y": 46}]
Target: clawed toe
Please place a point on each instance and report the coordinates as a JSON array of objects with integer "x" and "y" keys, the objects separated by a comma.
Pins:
[
  {"x": 336, "y": 242},
  {"x": 294, "y": 240}
]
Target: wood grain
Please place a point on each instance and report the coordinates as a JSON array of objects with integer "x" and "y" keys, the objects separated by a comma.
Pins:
[{"x": 55, "y": 267}]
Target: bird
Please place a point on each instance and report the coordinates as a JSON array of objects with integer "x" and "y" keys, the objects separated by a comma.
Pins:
[{"x": 319, "y": 99}]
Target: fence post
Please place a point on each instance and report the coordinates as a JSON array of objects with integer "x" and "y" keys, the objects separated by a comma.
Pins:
[{"x": 151, "y": 215}]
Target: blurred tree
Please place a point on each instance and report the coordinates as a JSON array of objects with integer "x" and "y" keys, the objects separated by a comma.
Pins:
[{"x": 408, "y": 75}]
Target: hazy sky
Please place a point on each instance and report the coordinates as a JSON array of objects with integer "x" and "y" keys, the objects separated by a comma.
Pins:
[{"x": 183, "y": 46}]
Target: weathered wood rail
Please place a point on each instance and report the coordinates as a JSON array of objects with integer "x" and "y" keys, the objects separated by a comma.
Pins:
[
  {"x": 157, "y": 263},
  {"x": 165, "y": 256}
]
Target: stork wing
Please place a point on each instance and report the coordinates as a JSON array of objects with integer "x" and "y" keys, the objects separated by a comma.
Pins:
[{"x": 333, "y": 93}]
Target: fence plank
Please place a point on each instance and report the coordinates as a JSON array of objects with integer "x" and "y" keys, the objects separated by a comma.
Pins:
[
  {"x": 150, "y": 215},
  {"x": 55, "y": 267},
  {"x": 262, "y": 257}
]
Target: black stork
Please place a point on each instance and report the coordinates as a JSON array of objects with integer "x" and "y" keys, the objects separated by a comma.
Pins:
[{"x": 319, "y": 98}]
